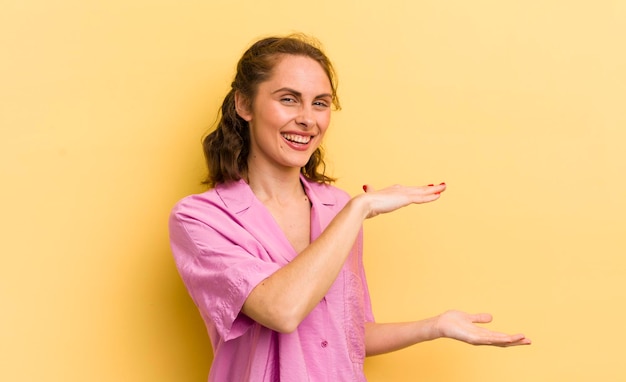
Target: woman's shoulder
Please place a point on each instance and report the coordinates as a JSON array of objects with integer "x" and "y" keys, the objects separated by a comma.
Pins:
[
  {"x": 229, "y": 196},
  {"x": 203, "y": 197},
  {"x": 194, "y": 206}
]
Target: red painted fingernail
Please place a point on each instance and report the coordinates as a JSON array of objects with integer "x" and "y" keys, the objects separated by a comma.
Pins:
[
  {"x": 442, "y": 183},
  {"x": 430, "y": 185},
  {"x": 365, "y": 187}
]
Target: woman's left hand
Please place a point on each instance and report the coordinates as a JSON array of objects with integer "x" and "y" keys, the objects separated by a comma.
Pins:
[{"x": 462, "y": 326}]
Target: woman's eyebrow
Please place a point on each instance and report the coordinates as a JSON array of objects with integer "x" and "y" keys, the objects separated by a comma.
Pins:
[
  {"x": 299, "y": 94},
  {"x": 290, "y": 90}
]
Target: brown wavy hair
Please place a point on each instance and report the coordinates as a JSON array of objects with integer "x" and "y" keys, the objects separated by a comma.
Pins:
[{"x": 227, "y": 147}]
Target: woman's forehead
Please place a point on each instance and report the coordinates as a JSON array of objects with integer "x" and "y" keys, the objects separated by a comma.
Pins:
[{"x": 291, "y": 70}]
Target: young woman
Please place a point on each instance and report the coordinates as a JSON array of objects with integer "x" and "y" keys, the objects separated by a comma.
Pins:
[{"x": 272, "y": 253}]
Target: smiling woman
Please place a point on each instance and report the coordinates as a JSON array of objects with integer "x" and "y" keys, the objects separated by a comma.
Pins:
[
  {"x": 272, "y": 254},
  {"x": 288, "y": 116},
  {"x": 227, "y": 148}
]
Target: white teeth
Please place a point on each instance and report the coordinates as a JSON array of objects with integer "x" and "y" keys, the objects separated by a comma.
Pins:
[{"x": 297, "y": 138}]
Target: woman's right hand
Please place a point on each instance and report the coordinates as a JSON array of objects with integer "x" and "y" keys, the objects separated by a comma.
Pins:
[{"x": 397, "y": 196}]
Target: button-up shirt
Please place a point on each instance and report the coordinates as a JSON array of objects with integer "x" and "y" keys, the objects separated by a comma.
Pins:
[{"x": 225, "y": 242}]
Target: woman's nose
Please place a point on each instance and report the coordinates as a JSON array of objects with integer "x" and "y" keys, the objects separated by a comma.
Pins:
[{"x": 305, "y": 117}]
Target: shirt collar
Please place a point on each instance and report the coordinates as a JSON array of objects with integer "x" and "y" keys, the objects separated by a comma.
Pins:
[{"x": 238, "y": 196}]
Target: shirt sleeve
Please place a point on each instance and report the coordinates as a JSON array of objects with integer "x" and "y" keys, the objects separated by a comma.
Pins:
[{"x": 217, "y": 270}]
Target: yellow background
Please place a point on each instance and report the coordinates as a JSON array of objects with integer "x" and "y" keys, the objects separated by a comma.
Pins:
[{"x": 518, "y": 105}]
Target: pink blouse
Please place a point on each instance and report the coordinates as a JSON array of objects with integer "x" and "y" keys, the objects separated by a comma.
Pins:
[{"x": 225, "y": 242}]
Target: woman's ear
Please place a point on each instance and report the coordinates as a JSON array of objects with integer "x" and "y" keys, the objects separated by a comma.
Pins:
[{"x": 242, "y": 106}]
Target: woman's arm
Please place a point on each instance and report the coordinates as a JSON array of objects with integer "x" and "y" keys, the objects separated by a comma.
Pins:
[
  {"x": 285, "y": 298},
  {"x": 385, "y": 338}
]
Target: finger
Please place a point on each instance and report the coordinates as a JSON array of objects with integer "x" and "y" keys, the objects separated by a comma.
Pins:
[
  {"x": 524, "y": 341},
  {"x": 517, "y": 337},
  {"x": 503, "y": 339},
  {"x": 481, "y": 318},
  {"x": 424, "y": 194},
  {"x": 368, "y": 188},
  {"x": 431, "y": 188},
  {"x": 517, "y": 342},
  {"x": 440, "y": 188}
]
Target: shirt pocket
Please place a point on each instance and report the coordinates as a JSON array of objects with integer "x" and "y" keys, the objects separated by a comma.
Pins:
[{"x": 354, "y": 316}]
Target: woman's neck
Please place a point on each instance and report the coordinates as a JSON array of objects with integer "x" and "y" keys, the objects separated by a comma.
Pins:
[{"x": 277, "y": 186}]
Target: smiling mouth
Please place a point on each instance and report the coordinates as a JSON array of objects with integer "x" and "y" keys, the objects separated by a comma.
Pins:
[{"x": 299, "y": 139}]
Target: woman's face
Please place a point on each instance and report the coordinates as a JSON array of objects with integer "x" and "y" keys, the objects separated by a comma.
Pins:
[{"x": 289, "y": 115}]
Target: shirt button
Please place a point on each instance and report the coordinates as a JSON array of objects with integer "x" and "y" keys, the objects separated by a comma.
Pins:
[{"x": 324, "y": 344}]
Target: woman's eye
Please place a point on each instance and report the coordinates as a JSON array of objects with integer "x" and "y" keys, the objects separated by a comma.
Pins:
[
  {"x": 320, "y": 103},
  {"x": 288, "y": 99}
]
